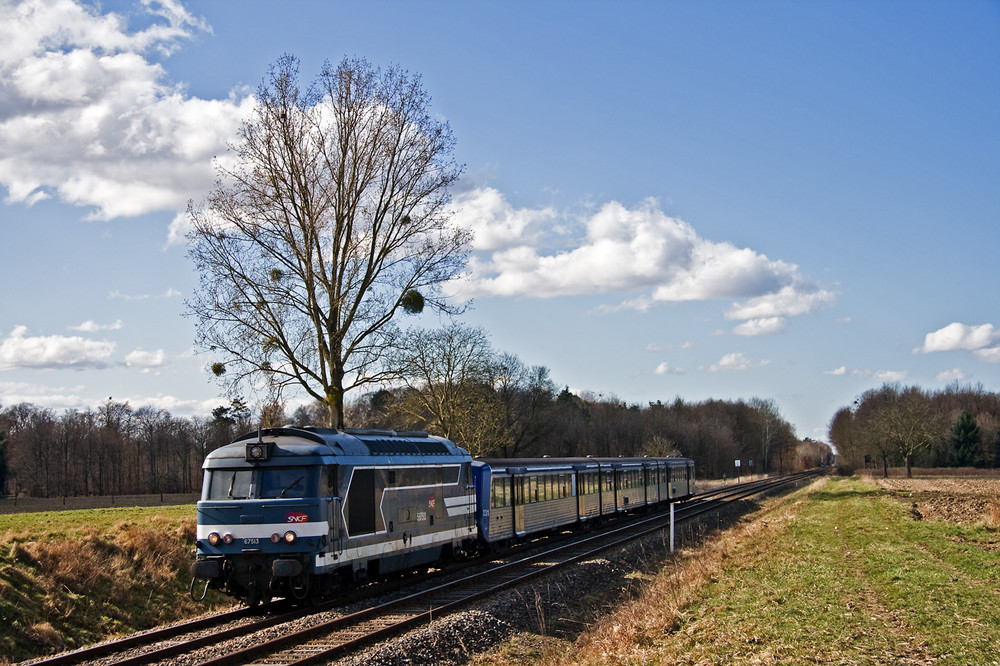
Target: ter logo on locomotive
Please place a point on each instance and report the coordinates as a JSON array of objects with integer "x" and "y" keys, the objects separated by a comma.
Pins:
[{"x": 294, "y": 517}]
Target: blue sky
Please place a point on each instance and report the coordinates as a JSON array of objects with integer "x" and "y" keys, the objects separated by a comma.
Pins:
[{"x": 794, "y": 201}]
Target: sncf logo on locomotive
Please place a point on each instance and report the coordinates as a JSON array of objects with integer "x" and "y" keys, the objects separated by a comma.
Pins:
[{"x": 296, "y": 517}]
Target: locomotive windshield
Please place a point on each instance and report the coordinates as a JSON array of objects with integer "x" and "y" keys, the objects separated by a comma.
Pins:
[{"x": 263, "y": 483}]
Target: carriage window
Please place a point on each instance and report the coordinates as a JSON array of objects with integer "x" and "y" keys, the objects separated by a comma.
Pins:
[{"x": 501, "y": 492}]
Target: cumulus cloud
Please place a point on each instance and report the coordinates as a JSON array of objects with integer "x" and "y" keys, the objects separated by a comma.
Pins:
[
  {"x": 736, "y": 362},
  {"x": 988, "y": 355},
  {"x": 86, "y": 114},
  {"x": 621, "y": 250},
  {"x": 121, "y": 296},
  {"x": 77, "y": 397},
  {"x": 979, "y": 339},
  {"x": 762, "y": 326},
  {"x": 495, "y": 223},
  {"x": 888, "y": 376},
  {"x": 52, "y": 397},
  {"x": 145, "y": 359},
  {"x": 665, "y": 369},
  {"x": 91, "y": 326},
  {"x": 18, "y": 350},
  {"x": 842, "y": 370},
  {"x": 953, "y": 375}
]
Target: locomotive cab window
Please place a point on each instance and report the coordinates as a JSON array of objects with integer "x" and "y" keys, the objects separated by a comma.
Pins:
[
  {"x": 284, "y": 482},
  {"x": 267, "y": 483},
  {"x": 223, "y": 484}
]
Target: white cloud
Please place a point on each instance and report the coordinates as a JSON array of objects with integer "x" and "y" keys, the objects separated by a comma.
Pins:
[
  {"x": 665, "y": 369},
  {"x": 145, "y": 359},
  {"x": 980, "y": 340},
  {"x": 842, "y": 370},
  {"x": 87, "y": 116},
  {"x": 988, "y": 355},
  {"x": 889, "y": 376},
  {"x": 953, "y": 375},
  {"x": 51, "y": 397},
  {"x": 60, "y": 398},
  {"x": 622, "y": 250},
  {"x": 736, "y": 362},
  {"x": 958, "y": 336},
  {"x": 762, "y": 326},
  {"x": 118, "y": 295},
  {"x": 54, "y": 351},
  {"x": 495, "y": 223},
  {"x": 90, "y": 326}
]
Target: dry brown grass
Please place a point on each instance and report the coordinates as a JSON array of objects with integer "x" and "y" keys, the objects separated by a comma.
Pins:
[
  {"x": 81, "y": 581},
  {"x": 45, "y": 634}
]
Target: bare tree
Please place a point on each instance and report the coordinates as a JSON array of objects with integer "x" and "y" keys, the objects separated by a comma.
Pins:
[
  {"x": 329, "y": 223},
  {"x": 526, "y": 398},
  {"x": 899, "y": 421},
  {"x": 448, "y": 373},
  {"x": 844, "y": 436},
  {"x": 770, "y": 425}
]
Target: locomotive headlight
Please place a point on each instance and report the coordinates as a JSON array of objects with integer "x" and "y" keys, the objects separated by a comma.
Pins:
[
  {"x": 290, "y": 537},
  {"x": 214, "y": 539},
  {"x": 275, "y": 538},
  {"x": 227, "y": 538}
]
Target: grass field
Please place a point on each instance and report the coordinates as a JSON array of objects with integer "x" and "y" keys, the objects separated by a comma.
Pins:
[
  {"x": 843, "y": 572},
  {"x": 70, "y": 578}
]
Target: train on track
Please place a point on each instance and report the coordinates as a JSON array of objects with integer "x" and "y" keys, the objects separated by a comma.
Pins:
[{"x": 304, "y": 512}]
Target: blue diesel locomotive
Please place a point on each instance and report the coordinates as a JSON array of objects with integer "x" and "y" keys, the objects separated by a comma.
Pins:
[{"x": 299, "y": 512}]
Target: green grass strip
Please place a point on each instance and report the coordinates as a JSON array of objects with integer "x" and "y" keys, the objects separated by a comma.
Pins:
[{"x": 854, "y": 579}]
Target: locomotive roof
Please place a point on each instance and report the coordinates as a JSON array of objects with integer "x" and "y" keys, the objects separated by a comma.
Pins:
[{"x": 310, "y": 442}]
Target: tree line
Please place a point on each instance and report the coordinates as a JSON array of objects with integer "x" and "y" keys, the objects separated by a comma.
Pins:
[
  {"x": 908, "y": 426},
  {"x": 456, "y": 385}
]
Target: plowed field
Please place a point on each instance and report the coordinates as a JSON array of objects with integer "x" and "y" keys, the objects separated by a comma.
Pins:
[{"x": 965, "y": 501}]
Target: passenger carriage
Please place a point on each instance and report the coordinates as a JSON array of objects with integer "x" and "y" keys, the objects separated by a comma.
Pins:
[{"x": 519, "y": 497}]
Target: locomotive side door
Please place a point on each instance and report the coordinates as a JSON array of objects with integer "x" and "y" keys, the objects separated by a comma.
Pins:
[{"x": 334, "y": 508}]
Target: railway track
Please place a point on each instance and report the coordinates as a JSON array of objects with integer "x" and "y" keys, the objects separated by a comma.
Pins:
[{"x": 346, "y": 634}]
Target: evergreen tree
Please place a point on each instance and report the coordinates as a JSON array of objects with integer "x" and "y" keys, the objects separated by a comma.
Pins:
[{"x": 965, "y": 438}]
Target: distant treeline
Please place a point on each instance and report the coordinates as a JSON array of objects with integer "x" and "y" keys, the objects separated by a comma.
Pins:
[
  {"x": 908, "y": 426},
  {"x": 117, "y": 449}
]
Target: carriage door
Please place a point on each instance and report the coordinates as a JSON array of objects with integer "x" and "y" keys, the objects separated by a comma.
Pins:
[
  {"x": 520, "y": 490},
  {"x": 470, "y": 497}
]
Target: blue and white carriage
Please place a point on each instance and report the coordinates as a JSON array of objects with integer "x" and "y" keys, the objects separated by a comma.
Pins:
[{"x": 518, "y": 497}]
